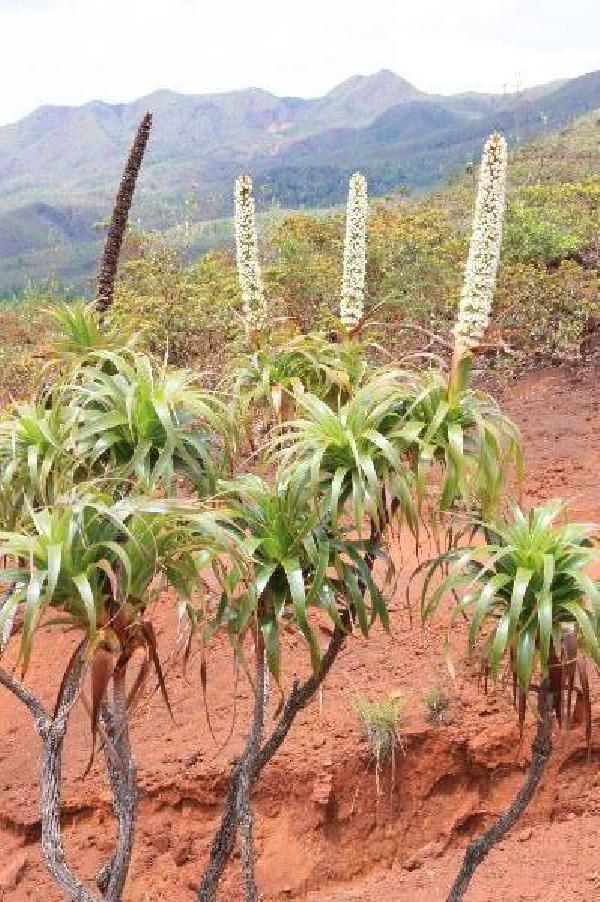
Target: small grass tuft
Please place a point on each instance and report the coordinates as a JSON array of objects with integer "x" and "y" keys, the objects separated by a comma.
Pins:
[
  {"x": 380, "y": 721},
  {"x": 437, "y": 703}
]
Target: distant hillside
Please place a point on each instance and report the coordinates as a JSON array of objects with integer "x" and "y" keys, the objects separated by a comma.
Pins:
[
  {"x": 59, "y": 167},
  {"x": 421, "y": 141}
]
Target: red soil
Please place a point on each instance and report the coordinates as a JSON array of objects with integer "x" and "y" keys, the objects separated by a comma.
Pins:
[{"x": 322, "y": 833}]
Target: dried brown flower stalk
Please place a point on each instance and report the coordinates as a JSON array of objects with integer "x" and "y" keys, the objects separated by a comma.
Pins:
[{"x": 120, "y": 215}]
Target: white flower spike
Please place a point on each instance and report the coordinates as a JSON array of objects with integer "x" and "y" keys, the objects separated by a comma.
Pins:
[
  {"x": 484, "y": 250},
  {"x": 254, "y": 305},
  {"x": 355, "y": 253}
]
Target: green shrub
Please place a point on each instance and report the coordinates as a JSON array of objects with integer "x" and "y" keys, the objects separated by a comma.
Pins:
[
  {"x": 546, "y": 310},
  {"x": 540, "y": 234},
  {"x": 25, "y": 330},
  {"x": 189, "y": 313},
  {"x": 528, "y": 595},
  {"x": 303, "y": 274}
]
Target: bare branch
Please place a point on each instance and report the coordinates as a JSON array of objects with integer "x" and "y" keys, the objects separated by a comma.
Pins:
[
  {"x": 122, "y": 773},
  {"x": 300, "y": 696},
  {"x": 51, "y": 780},
  {"x": 31, "y": 702},
  {"x": 413, "y": 327},
  {"x": 224, "y": 839},
  {"x": 482, "y": 846},
  {"x": 246, "y": 777}
]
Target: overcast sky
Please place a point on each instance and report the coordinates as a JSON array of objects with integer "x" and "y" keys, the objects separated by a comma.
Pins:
[{"x": 71, "y": 51}]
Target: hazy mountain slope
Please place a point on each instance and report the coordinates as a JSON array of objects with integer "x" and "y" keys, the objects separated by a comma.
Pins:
[
  {"x": 419, "y": 142},
  {"x": 573, "y": 98},
  {"x": 59, "y": 167},
  {"x": 356, "y": 102},
  {"x": 74, "y": 154},
  {"x": 36, "y": 226},
  {"x": 80, "y": 149}
]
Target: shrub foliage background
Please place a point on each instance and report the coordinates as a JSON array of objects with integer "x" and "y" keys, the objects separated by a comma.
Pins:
[{"x": 548, "y": 285}]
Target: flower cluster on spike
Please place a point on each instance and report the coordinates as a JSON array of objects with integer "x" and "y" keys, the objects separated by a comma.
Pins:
[
  {"x": 484, "y": 250},
  {"x": 355, "y": 253},
  {"x": 254, "y": 306}
]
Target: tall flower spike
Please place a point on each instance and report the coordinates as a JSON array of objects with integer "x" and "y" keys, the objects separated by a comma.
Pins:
[
  {"x": 484, "y": 250},
  {"x": 254, "y": 306},
  {"x": 352, "y": 302}
]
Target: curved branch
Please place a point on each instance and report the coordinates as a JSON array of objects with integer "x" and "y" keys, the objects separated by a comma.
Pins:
[
  {"x": 246, "y": 778},
  {"x": 301, "y": 693},
  {"x": 122, "y": 773},
  {"x": 480, "y": 847},
  {"x": 51, "y": 778},
  {"x": 299, "y": 697},
  {"x": 31, "y": 702},
  {"x": 52, "y": 730}
]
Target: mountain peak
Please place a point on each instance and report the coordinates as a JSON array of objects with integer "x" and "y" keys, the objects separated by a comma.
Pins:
[
  {"x": 387, "y": 76},
  {"x": 360, "y": 99},
  {"x": 386, "y": 82}
]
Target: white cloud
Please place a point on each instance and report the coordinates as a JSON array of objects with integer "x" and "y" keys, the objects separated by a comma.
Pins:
[{"x": 70, "y": 51}]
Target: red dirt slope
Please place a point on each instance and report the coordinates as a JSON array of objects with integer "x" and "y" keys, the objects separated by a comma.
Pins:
[{"x": 322, "y": 833}]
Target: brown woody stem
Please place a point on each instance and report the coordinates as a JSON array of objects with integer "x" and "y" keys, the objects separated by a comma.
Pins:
[
  {"x": 52, "y": 735},
  {"x": 26, "y": 697},
  {"x": 224, "y": 840},
  {"x": 122, "y": 773},
  {"x": 121, "y": 769},
  {"x": 244, "y": 808},
  {"x": 52, "y": 730},
  {"x": 481, "y": 847},
  {"x": 250, "y": 765}
]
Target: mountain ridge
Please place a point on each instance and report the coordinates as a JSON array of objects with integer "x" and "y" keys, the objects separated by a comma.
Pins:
[{"x": 300, "y": 151}]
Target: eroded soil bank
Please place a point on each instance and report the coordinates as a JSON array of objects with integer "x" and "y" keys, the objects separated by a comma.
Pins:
[{"x": 322, "y": 832}]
